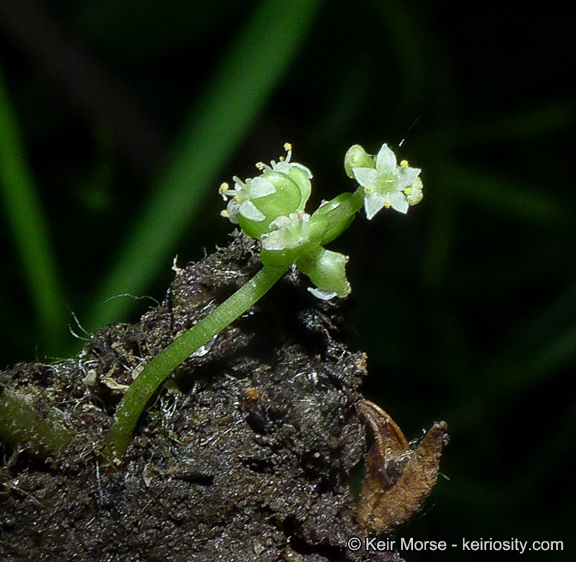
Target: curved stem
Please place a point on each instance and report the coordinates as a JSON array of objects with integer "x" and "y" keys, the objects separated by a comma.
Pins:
[
  {"x": 42, "y": 430},
  {"x": 155, "y": 373}
]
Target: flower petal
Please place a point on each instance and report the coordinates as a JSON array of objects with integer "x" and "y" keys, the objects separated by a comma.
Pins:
[
  {"x": 323, "y": 295},
  {"x": 373, "y": 203},
  {"x": 249, "y": 211},
  {"x": 232, "y": 211},
  {"x": 407, "y": 177},
  {"x": 260, "y": 187},
  {"x": 385, "y": 159},
  {"x": 285, "y": 167},
  {"x": 273, "y": 241},
  {"x": 366, "y": 177},
  {"x": 398, "y": 202}
]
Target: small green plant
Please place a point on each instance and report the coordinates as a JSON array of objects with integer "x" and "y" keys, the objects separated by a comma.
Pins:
[{"x": 271, "y": 208}]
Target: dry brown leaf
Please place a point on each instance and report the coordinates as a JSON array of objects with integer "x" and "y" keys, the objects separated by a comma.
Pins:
[{"x": 398, "y": 479}]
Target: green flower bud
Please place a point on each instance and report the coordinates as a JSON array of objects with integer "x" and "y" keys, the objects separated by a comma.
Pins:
[
  {"x": 326, "y": 270},
  {"x": 357, "y": 157},
  {"x": 414, "y": 192}
]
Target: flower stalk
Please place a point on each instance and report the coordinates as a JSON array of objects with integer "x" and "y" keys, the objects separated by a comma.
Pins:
[{"x": 160, "y": 367}]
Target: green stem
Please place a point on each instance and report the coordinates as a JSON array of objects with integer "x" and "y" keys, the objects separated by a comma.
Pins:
[
  {"x": 44, "y": 434},
  {"x": 160, "y": 367},
  {"x": 338, "y": 214}
]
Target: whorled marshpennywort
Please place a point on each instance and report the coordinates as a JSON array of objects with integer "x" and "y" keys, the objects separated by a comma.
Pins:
[{"x": 271, "y": 207}]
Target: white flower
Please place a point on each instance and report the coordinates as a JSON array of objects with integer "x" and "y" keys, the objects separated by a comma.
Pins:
[
  {"x": 241, "y": 198},
  {"x": 287, "y": 232},
  {"x": 385, "y": 185}
]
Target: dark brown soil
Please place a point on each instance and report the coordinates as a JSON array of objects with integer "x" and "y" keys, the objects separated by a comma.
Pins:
[{"x": 245, "y": 455}]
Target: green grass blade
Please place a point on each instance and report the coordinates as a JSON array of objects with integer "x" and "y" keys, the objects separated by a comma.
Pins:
[
  {"x": 527, "y": 126},
  {"x": 236, "y": 94},
  {"x": 410, "y": 50},
  {"x": 26, "y": 220},
  {"x": 538, "y": 348},
  {"x": 505, "y": 196},
  {"x": 537, "y": 365}
]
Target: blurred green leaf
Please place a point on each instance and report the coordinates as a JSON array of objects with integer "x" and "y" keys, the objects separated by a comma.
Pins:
[
  {"x": 411, "y": 50},
  {"x": 505, "y": 196},
  {"x": 537, "y": 350},
  {"x": 523, "y": 127},
  {"x": 237, "y": 93},
  {"x": 26, "y": 219}
]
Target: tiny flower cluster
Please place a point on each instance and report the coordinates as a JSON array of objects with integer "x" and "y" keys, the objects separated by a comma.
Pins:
[
  {"x": 386, "y": 184},
  {"x": 271, "y": 208}
]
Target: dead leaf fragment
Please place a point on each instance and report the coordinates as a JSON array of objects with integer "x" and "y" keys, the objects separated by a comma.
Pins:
[{"x": 398, "y": 479}]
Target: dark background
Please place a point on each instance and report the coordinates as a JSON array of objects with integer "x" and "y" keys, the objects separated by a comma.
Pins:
[{"x": 466, "y": 307}]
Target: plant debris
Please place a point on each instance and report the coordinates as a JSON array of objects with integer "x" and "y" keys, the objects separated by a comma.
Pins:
[{"x": 398, "y": 479}]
